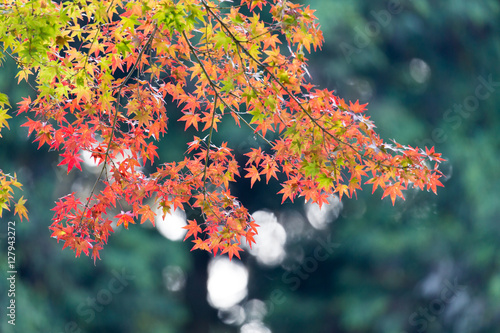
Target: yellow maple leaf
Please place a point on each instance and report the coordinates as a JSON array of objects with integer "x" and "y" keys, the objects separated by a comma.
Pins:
[{"x": 20, "y": 209}]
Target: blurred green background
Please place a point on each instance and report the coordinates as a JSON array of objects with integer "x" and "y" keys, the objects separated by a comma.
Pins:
[{"x": 430, "y": 73}]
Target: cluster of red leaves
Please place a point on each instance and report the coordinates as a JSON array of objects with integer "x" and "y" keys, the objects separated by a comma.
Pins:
[{"x": 237, "y": 65}]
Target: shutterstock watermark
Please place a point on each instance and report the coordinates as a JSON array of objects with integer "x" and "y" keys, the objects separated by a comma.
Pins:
[
  {"x": 455, "y": 115},
  {"x": 421, "y": 318},
  {"x": 302, "y": 272},
  {"x": 87, "y": 309},
  {"x": 363, "y": 35}
]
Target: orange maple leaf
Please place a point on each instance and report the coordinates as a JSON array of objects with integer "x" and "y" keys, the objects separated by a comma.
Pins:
[
  {"x": 147, "y": 214},
  {"x": 393, "y": 191},
  {"x": 190, "y": 119},
  {"x": 200, "y": 244},
  {"x": 231, "y": 250},
  {"x": 356, "y": 107},
  {"x": 193, "y": 229},
  {"x": 253, "y": 173}
]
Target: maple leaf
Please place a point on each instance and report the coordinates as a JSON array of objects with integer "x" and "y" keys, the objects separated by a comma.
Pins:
[
  {"x": 82, "y": 245},
  {"x": 147, "y": 214},
  {"x": 232, "y": 249},
  {"x": 72, "y": 160},
  {"x": 82, "y": 93},
  {"x": 207, "y": 119},
  {"x": 322, "y": 199},
  {"x": 149, "y": 151},
  {"x": 44, "y": 135},
  {"x": 255, "y": 3},
  {"x": 144, "y": 118},
  {"x": 342, "y": 189},
  {"x": 271, "y": 41},
  {"x": 289, "y": 189},
  {"x": 376, "y": 181},
  {"x": 356, "y": 107},
  {"x": 95, "y": 252},
  {"x": 67, "y": 203},
  {"x": 105, "y": 228},
  {"x": 195, "y": 144},
  {"x": 193, "y": 229},
  {"x": 433, "y": 155},
  {"x": 61, "y": 233},
  {"x": 190, "y": 119},
  {"x": 393, "y": 191},
  {"x": 116, "y": 62},
  {"x": 253, "y": 173},
  {"x": 249, "y": 237},
  {"x": 125, "y": 218},
  {"x": 309, "y": 193},
  {"x": 32, "y": 125},
  {"x": 200, "y": 244},
  {"x": 62, "y": 41},
  {"x": 24, "y": 105},
  {"x": 433, "y": 182},
  {"x": 3, "y": 118},
  {"x": 254, "y": 156},
  {"x": 20, "y": 209},
  {"x": 4, "y": 203}
]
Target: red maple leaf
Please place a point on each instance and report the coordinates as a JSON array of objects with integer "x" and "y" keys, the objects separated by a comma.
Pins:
[
  {"x": 82, "y": 245},
  {"x": 72, "y": 160},
  {"x": 33, "y": 125},
  {"x": 125, "y": 218}
]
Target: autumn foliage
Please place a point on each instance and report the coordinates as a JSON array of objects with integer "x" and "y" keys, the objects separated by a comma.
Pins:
[{"x": 104, "y": 71}]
